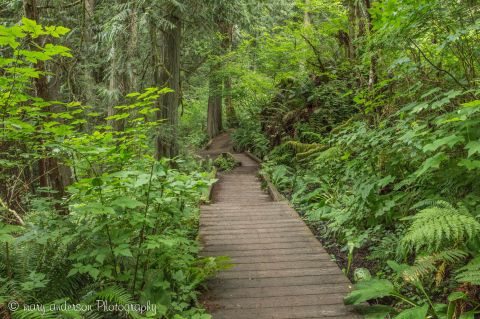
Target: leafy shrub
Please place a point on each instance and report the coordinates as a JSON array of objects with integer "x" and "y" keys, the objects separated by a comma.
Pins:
[
  {"x": 226, "y": 162},
  {"x": 123, "y": 231},
  {"x": 250, "y": 139}
]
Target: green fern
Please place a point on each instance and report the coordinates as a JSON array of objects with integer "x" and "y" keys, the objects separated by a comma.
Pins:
[
  {"x": 302, "y": 150},
  {"x": 311, "y": 137},
  {"x": 117, "y": 295},
  {"x": 470, "y": 272},
  {"x": 425, "y": 265},
  {"x": 439, "y": 227},
  {"x": 329, "y": 154}
]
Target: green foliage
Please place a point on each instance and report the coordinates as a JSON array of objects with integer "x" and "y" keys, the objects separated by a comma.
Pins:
[
  {"x": 366, "y": 290},
  {"x": 226, "y": 162},
  {"x": 123, "y": 230},
  {"x": 370, "y": 122},
  {"x": 441, "y": 226},
  {"x": 248, "y": 139},
  {"x": 470, "y": 272}
]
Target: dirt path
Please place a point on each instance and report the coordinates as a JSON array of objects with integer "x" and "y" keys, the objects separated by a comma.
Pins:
[{"x": 280, "y": 269}]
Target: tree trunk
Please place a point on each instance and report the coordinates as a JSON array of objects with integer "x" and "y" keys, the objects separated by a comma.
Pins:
[
  {"x": 167, "y": 143},
  {"x": 352, "y": 34},
  {"x": 372, "y": 75},
  {"x": 89, "y": 78},
  {"x": 132, "y": 52},
  {"x": 214, "y": 113},
  {"x": 48, "y": 168},
  {"x": 307, "y": 19},
  {"x": 116, "y": 90},
  {"x": 232, "y": 120},
  {"x": 227, "y": 43}
]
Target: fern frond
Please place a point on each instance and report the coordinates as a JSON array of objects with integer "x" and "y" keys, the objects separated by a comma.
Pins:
[
  {"x": 303, "y": 150},
  {"x": 311, "y": 137},
  {"x": 329, "y": 153},
  {"x": 33, "y": 314},
  {"x": 440, "y": 227},
  {"x": 429, "y": 202},
  {"x": 437, "y": 262},
  {"x": 299, "y": 147},
  {"x": 116, "y": 294},
  {"x": 470, "y": 272}
]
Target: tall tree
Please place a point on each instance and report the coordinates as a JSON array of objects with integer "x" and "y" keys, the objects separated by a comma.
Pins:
[
  {"x": 227, "y": 43},
  {"x": 48, "y": 167},
  {"x": 214, "y": 111},
  {"x": 167, "y": 143}
]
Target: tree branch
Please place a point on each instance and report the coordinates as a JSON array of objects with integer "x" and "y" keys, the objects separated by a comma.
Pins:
[{"x": 437, "y": 67}]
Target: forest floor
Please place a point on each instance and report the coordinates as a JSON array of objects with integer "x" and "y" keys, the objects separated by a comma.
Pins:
[{"x": 280, "y": 270}]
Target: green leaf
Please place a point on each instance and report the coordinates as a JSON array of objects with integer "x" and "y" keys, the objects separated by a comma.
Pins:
[
  {"x": 133, "y": 94},
  {"x": 125, "y": 202},
  {"x": 52, "y": 49},
  {"x": 473, "y": 103},
  {"x": 97, "y": 181},
  {"x": 431, "y": 162},
  {"x": 374, "y": 311},
  {"x": 56, "y": 31},
  {"x": 371, "y": 289},
  {"x": 457, "y": 295},
  {"x": 72, "y": 272},
  {"x": 469, "y": 164},
  {"x": 450, "y": 140},
  {"x": 473, "y": 147},
  {"x": 122, "y": 250},
  {"x": 468, "y": 315},
  {"x": 32, "y": 27},
  {"x": 413, "y": 313},
  {"x": 33, "y": 56}
]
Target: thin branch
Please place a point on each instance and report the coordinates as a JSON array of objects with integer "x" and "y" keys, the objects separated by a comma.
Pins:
[
  {"x": 61, "y": 6},
  {"x": 437, "y": 67},
  {"x": 14, "y": 213},
  {"x": 315, "y": 50}
]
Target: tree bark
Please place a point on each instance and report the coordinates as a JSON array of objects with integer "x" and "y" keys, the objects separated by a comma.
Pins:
[
  {"x": 116, "y": 88},
  {"x": 372, "y": 75},
  {"x": 352, "y": 34},
  {"x": 132, "y": 51},
  {"x": 227, "y": 43},
  {"x": 214, "y": 113},
  {"x": 48, "y": 168},
  {"x": 167, "y": 139},
  {"x": 89, "y": 78},
  {"x": 307, "y": 19}
]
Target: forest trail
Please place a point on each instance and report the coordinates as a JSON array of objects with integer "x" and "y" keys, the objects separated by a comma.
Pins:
[{"x": 280, "y": 269}]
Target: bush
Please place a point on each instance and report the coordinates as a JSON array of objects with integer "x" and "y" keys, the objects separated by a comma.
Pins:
[{"x": 226, "y": 162}]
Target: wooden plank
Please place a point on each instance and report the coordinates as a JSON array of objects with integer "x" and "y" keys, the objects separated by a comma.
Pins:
[
  {"x": 279, "y": 258},
  {"x": 280, "y": 301},
  {"x": 249, "y": 247},
  {"x": 224, "y": 283},
  {"x": 280, "y": 273},
  {"x": 243, "y": 216},
  {"x": 292, "y": 228},
  {"x": 263, "y": 252},
  {"x": 260, "y": 206},
  {"x": 214, "y": 223},
  {"x": 281, "y": 225},
  {"x": 255, "y": 292},
  {"x": 287, "y": 312},
  {"x": 258, "y": 240},
  {"x": 311, "y": 264}
]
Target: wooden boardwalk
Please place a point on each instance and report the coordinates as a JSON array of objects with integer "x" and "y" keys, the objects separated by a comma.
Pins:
[{"x": 280, "y": 269}]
